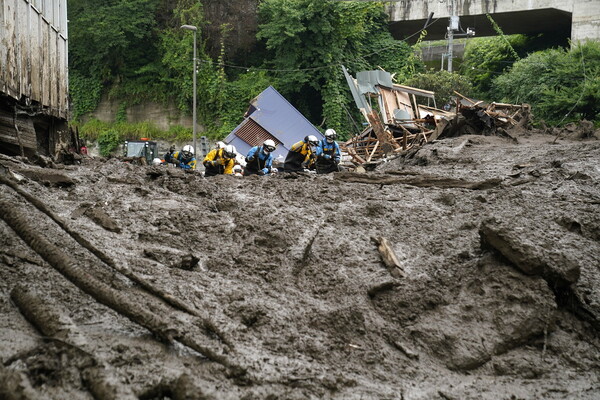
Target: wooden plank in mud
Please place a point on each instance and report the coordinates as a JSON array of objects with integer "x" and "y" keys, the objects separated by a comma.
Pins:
[{"x": 25, "y": 136}]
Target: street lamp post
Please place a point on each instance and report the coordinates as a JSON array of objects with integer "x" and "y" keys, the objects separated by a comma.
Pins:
[{"x": 194, "y": 29}]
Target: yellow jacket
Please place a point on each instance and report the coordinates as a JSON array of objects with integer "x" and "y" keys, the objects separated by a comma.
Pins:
[
  {"x": 214, "y": 160},
  {"x": 302, "y": 148},
  {"x": 181, "y": 162}
]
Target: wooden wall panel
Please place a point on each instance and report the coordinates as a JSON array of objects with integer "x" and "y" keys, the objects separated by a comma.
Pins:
[{"x": 33, "y": 54}]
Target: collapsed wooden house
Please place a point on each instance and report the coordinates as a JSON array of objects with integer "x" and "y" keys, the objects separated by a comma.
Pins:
[
  {"x": 476, "y": 117},
  {"x": 398, "y": 119}
]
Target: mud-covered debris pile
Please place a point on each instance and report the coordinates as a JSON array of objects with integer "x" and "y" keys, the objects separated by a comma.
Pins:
[{"x": 467, "y": 268}]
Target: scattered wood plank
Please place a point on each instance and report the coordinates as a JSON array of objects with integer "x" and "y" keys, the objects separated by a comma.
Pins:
[
  {"x": 389, "y": 257},
  {"x": 373, "y": 151}
]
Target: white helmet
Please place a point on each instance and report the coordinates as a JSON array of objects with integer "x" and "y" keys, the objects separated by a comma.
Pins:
[
  {"x": 268, "y": 146},
  {"x": 220, "y": 145},
  {"x": 188, "y": 148},
  {"x": 330, "y": 135},
  {"x": 156, "y": 161},
  {"x": 312, "y": 140},
  {"x": 229, "y": 151}
]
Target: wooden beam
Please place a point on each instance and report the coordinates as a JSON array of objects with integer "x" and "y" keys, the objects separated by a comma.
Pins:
[
  {"x": 389, "y": 257},
  {"x": 373, "y": 152}
]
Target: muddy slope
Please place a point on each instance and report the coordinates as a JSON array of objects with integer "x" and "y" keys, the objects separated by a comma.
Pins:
[{"x": 122, "y": 281}]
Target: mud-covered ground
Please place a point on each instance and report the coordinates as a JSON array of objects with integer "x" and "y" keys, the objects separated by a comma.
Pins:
[{"x": 153, "y": 283}]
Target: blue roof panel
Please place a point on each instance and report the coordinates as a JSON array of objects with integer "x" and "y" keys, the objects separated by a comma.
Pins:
[{"x": 278, "y": 117}]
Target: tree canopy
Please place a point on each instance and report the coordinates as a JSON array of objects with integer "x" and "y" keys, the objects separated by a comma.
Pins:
[
  {"x": 307, "y": 41},
  {"x": 562, "y": 85},
  {"x": 135, "y": 50}
]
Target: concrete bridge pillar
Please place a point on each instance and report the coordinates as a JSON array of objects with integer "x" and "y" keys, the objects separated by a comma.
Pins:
[
  {"x": 585, "y": 20},
  {"x": 575, "y": 19}
]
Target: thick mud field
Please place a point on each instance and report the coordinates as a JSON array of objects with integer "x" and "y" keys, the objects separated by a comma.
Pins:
[{"x": 120, "y": 281}]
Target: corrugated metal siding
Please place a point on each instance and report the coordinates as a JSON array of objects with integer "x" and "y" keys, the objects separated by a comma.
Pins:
[
  {"x": 33, "y": 53},
  {"x": 250, "y": 134},
  {"x": 254, "y": 134},
  {"x": 273, "y": 117}
]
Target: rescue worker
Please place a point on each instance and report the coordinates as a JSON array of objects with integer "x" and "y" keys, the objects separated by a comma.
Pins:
[
  {"x": 83, "y": 150},
  {"x": 220, "y": 161},
  {"x": 168, "y": 157},
  {"x": 328, "y": 154},
  {"x": 301, "y": 154},
  {"x": 182, "y": 159},
  {"x": 260, "y": 159},
  {"x": 238, "y": 170}
]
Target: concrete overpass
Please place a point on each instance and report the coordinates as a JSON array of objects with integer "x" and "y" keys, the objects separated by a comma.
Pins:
[{"x": 577, "y": 19}]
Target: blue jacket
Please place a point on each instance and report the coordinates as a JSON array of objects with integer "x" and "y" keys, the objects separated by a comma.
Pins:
[
  {"x": 182, "y": 162},
  {"x": 263, "y": 162},
  {"x": 330, "y": 151}
]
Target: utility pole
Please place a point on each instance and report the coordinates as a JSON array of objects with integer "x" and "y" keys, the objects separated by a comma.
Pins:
[
  {"x": 452, "y": 26},
  {"x": 193, "y": 29}
]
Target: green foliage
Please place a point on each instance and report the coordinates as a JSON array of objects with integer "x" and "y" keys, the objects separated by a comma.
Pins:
[
  {"x": 443, "y": 83},
  {"x": 561, "y": 85},
  {"x": 91, "y": 129},
  {"x": 94, "y": 130},
  {"x": 111, "y": 38},
  {"x": 176, "y": 133},
  {"x": 502, "y": 36},
  {"x": 486, "y": 58},
  {"x": 238, "y": 93},
  {"x": 136, "y": 51},
  {"x": 108, "y": 141},
  {"x": 121, "y": 113},
  {"x": 309, "y": 40},
  {"x": 85, "y": 94}
]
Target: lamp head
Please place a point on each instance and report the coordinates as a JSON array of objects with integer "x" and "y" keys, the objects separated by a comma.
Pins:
[{"x": 189, "y": 27}]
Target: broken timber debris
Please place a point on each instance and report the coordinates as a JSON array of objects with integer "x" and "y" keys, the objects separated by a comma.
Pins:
[
  {"x": 389, "y": 257},
  {"x": 398, "y": 121}
]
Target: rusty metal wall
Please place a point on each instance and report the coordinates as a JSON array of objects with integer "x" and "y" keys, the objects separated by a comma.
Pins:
[{"x": 33, "y": 54}]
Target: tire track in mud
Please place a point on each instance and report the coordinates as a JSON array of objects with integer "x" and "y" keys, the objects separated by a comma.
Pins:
[
  {"x": 150, "y": 288},
  {"x": 163, "y": 322}
]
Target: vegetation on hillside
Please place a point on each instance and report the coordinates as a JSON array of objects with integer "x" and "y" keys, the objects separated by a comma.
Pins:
[
  {"x": 309, "y": 40},
  {"x": 135, "y": 51},
  {"x": 561, "y": 85},
  {"x": 443, "y": 83}
]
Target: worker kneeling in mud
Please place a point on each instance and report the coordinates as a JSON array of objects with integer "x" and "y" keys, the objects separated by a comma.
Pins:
[
  {"x": 260, "y": 159},
  {"x": 182, "y": 159},
  {"x": 220, "y": 161},
  {"x": 301, "y": 155},
  {"x": 328, "y": 154}
]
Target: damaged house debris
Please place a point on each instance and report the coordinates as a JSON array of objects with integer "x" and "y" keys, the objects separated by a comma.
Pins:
[
  {"x": 34, "y": 104},
  {"x": 271, "y": 116},
  {"x": 398, "y": 119}
]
